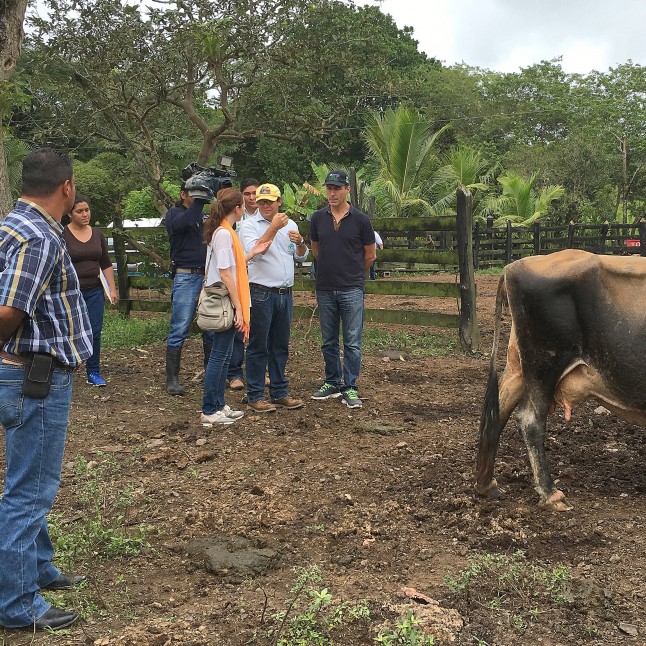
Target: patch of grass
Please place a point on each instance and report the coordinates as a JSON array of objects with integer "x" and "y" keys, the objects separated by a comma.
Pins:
[
  {"x": 489, "y": 271},
  {"x": 99, "y": 532},
  {"x": 423, "y": 344},
  {"x": 311, "y": 615},
  {"x": 129, "y": 332},
  {"x": 406, "y": 633},
  {"x": 511, "y": 585}
]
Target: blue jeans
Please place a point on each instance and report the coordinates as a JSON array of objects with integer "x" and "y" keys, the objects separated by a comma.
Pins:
[
  {"x": 35, "y": 431},
  {"x": 345, "y": 309},
  {"x": 215, "y": 377},
  {"x": 95, "y": 303},
  {"x": 271, "y": 320},
  {"x": 186, "y": 289},
  {"x": 237, "y": 358}
]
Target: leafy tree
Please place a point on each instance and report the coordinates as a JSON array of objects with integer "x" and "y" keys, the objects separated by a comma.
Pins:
[
  {"x": 615, "y": 111},
  {"x": 105, "y": 180},
  {"x": 402, "y": 144},
  {"x": 12, "y": 15},
  {"x": 336, "y": 63}
]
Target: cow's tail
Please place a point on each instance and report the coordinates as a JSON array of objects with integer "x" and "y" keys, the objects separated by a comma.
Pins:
[{"x": 490, "y": 420}]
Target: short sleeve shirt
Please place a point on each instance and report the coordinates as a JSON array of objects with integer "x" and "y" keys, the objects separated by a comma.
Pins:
[
  {"x": 37, "y": 277},
  {"x": 220, "y": 255},
  {"x": 340, "y": 262}
]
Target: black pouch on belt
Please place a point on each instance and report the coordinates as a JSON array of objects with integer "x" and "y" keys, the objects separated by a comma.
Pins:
[{"x": 39, "y": 369}]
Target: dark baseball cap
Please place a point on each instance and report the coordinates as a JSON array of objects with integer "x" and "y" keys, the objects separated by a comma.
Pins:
[{"x": 337, "y": 178}]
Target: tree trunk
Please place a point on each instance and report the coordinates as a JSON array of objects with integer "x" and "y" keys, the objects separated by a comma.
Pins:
[{"x": 12, "y": 16}]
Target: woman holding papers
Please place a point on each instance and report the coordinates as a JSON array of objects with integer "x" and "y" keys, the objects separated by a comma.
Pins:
[{"x": 89, "y": 252}]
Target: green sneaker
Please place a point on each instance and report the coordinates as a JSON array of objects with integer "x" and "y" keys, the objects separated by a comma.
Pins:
[
  {"x": 351, "y": 398},
  {"x": 326, "y": 391}
]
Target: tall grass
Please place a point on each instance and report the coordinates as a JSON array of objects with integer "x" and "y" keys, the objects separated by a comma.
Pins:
[{"x": 122, "y": 332}]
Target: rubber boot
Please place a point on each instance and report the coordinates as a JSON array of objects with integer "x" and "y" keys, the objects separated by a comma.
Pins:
[
  {"x": 173, "y": 360},
  {"x": 207, "y": 344}
]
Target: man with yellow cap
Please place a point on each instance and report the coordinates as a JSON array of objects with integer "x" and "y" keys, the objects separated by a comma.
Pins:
[{"x": 271, "y": 278}]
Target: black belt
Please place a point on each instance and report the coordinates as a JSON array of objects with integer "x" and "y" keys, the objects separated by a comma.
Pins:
[
  {"x": 190, "y": 270},
  {"x": 275, "y": 290},
  {"x": 21, "y": 359}
]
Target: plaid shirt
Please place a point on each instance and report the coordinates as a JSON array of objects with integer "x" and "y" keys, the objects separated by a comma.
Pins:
[{"x": 38, "y": 278}]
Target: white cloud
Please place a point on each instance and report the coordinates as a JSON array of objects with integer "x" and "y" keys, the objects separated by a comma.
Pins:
[{"x": 505, "y": 35}]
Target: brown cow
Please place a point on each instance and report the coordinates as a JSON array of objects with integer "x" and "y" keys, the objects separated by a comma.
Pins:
[{"x": 578, "y": 331}]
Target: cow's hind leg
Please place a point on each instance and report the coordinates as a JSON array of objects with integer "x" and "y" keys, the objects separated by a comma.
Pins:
[
  {"x": 508, "y": 395},
  {"x": 532, "y": 418}
]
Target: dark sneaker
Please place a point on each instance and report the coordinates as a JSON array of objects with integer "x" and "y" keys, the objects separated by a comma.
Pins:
[
  {"x": 326, "y": 391},
  {"x": 95, "y": 379},
  {"x": 351, "y": 398}
]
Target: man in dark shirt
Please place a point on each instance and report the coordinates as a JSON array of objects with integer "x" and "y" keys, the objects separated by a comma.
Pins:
[
  {"x": 343, "y": 243},
  {"x": 184, "y": 223}
]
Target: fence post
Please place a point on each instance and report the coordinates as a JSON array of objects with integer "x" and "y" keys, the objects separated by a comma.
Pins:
[
  {"x": 121, "y": 259},
  {"x": 469, "y": 333},
  {"x": 476, "y": 245},
  {"x": 604, "y": 235},
  {"x": 372, "y": 202},
  {"x": 570, "y": 236},
  {"x": 537, "y": 238},
  {"x": 354, "y": 195},
  {"x": 491, "y": 234},
  {"x": 508, "y": 243},
  {"x": 642, "y": 237}
]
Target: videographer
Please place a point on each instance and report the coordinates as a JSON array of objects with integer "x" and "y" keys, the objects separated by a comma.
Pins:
[{"x": 184, "y": 223}]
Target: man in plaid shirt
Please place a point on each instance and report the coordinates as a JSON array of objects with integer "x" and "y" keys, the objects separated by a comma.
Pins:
[{"x": 44, "y": 334}]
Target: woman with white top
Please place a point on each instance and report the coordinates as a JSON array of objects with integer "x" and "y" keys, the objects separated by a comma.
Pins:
[{"x": 226, "y": 263}]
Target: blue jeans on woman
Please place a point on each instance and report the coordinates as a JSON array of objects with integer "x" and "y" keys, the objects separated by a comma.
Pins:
[
  {"x": 35, "y": 431},
  {"x": 215, "y": 376},
  {"x": 95, "y": 302},
  {"x": 268, "y": 348},
  {"x": 341, "y": 309}
]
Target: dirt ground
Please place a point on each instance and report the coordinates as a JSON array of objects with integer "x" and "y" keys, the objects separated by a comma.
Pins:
[{"x": 381, "y": 499}]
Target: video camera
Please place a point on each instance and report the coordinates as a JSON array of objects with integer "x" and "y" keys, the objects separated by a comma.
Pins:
[{"x": 204, "y": 183}]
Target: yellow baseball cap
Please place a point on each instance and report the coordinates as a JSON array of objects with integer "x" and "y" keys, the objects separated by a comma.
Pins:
[{"x": 268, "y": 192}]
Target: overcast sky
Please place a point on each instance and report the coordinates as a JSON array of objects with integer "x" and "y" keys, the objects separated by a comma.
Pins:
[{"x": 505, "y": 35}]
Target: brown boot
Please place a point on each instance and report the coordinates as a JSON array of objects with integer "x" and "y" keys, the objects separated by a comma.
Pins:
[
  {"x": 262, "y": 407},
  {"x": 236, "y": 384},
  {"x": 290, "y": 403}
]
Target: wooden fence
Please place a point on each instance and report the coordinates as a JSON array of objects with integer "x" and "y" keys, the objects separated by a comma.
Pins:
[
  {"x": 502, "y": 245},
  {"x": 410, "y": 244}
]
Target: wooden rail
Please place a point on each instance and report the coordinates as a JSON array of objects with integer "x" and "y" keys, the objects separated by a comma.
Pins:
[{"x": 417, "y": 235}]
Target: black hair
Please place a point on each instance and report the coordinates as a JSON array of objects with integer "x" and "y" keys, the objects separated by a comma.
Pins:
[
  {"x": 44, "y": 170},
  {"x": 182, "y": 189},
  {"x": 78, "y": 199},
  {"x": 249, "y": 181}
]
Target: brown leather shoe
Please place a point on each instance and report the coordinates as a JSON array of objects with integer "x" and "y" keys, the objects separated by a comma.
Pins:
[
  {"x": 262, "y": 407},
  {"x": 290, "y": 403},
  {"x": 236, "y": 384}
]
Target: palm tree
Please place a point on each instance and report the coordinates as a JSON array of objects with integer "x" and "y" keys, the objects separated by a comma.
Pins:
[
  {"x": 464, "y": 168},
  {"x": 520, "y": 202},
  {"x": 14, "y": 151},
  {"x": 402, "y": 145}
]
